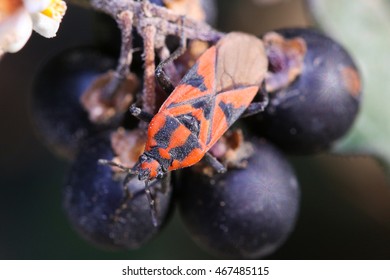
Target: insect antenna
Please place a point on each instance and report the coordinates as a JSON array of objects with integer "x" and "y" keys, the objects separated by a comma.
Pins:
[
  {"x": 129, "y": 170},
  {"x": 127, "y": 194},
  {"x": 152, "y": 203}
]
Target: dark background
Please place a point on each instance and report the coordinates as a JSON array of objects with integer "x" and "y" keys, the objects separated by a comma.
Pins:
[{"x": 345, "y": 207}]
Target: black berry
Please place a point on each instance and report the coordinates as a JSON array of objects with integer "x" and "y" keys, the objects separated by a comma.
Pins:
[
  {"x": 244, "y": 213},
  {"x": 94, "y": 193},
  {"x": 321, "y": 104},
  {"x": 58, "y": 116}
]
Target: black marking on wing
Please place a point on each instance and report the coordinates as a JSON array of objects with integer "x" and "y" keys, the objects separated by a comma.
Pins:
[
  {"x": 212, "y": 102},
  {"x": 181, "y": 152},
  {"x": 231, "y": 113},
  {"x": 211, "y": 113},
  {"x": 174, "y": 104},
  {"x": 204, "y": 102},
  {"x": 227, "y": 110},
  {"x": 163, "y": 136},
  {"x": 189, "y": 101},
  {"x": 189, "y": 121},
  {"x": 206, "y": 105},
  {"x": 199, "y": 103},
  {"x": 193, "y": 79},
  {"x": 235, "y": 87}
]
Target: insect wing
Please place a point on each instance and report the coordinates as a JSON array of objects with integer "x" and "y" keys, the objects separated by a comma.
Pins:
[
  {"x": 220, "y": 86},
  {"x": 240, "y": 68},
  {"x": 194, "y": 96},
  {"x": 198, "y": 82},
  {"x": 229, "y": 106}
]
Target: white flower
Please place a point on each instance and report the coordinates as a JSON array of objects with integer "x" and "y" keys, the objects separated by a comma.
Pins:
[{"x": 19, "y": 17}]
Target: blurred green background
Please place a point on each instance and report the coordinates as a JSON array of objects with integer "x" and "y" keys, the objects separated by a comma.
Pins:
[{"x": 345, "y": 206}]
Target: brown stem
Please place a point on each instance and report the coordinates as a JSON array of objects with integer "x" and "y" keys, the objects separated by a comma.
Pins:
[
  {"x": 147, "y": 17},
  {"x": 167, "y": 21},
  {"x": 148, "y": 97},
  {"x": 125, "y": 23}
]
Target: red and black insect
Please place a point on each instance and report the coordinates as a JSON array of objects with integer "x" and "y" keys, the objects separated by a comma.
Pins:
[{"x": 213, "y": 94}]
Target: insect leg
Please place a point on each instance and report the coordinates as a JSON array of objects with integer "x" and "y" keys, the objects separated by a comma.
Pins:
[
  {"x": 152, "y": 204},
  {"x": 257, "y": 107},
  {"x": 127, "y": 194},
  {"x": 141, "y": 115},
  {"x": 118, "y": 165},
  {"x": 165, "y": 183},
  {"x": 162, "y": 78},
  {"x": 214, "y": 163}
]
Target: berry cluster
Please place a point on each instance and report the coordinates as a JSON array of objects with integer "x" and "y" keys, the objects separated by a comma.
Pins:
[{"x": 313, "y": 88}]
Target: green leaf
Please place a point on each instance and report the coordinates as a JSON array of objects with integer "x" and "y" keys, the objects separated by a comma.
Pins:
[{"x": 363, "y": 28}]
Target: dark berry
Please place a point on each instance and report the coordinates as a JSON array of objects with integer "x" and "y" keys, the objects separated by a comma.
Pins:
[
  {"x": 243, "y": 213},
  {"x": 106, "y": 33},
  {"x": 58, "y": 115},
  {"x": 321, "y": 104},
  {"x": 94, "y": 194}
]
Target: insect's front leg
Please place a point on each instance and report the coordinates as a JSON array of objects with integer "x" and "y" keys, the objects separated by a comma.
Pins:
[
  {"x": 165, "y": 183},
  {"x": 257, "y": 107},
  {"x": 165, "y": 186},
  {"x": 127, "y": 194},
  {"x": 139, "y": 114},
  {"x": 162, "y": 78},
  {"x": 152, "y": 203},
  {"x": 214, "y": 163}
]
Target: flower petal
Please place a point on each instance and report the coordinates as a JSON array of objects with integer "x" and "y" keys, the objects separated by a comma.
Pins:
[
  {"x": 35, "y": 6},
  {"x": 56, "y": 10},
  {"x": 15, "y": 31},
  {"x": 44, "y": 25}
]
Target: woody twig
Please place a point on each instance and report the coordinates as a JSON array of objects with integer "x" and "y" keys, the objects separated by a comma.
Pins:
[
  {"x": 146, "y": 17},
  {"x": 124, "y": 20}
]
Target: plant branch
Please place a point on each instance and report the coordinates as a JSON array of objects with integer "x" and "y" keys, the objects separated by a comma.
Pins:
[
  {"x": 153, "y": 23},
  {"x": 167, "y": 21},
  {"x": 148, "y": 96},
  {"x": 124, "y": 20}
]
